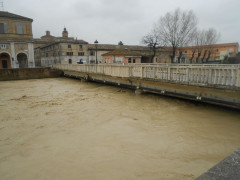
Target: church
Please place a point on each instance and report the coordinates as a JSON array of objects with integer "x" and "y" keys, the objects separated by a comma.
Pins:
[{"x": 16, "y": 41}]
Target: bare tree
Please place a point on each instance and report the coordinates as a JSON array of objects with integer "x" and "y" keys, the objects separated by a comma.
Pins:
[
  {"x": 212, "y": 36},
  {"x": 176, "y": 29},
  {"x": 153, "y": 40},
  {"x": 203, "y": 41},
  {"x": 198, "y": 44}
]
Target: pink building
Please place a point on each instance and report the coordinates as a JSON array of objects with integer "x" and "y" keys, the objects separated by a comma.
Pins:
[{"x": 121, "y": 56}]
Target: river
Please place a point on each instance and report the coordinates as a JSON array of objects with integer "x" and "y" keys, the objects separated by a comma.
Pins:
[{"x": 67, "y": 129}]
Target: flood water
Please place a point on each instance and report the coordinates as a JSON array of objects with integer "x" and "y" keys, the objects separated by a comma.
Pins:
[{"x": 67, "y": 129}]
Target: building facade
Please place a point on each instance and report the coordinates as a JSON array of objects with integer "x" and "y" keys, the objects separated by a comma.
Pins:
[
  {"x": 65, "y": 50},
  {"x": 122, "y": 56},
  {"x": 206, "y": 54},
  {"x": 16, "y": 41},
  {"x": 161, "y": 55}
]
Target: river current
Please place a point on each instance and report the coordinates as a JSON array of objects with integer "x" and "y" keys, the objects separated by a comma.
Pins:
[{"x": 67, "y": 129}]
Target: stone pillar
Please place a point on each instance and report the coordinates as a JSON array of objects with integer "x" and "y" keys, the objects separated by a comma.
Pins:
[
  {"x": 31, "y": 62},
  {"x": 238, "y": 78},
  {"x": 13, "y": 59}
]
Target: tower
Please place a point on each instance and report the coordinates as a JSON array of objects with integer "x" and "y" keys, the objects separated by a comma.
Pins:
[{"x": 65, "y": 33}]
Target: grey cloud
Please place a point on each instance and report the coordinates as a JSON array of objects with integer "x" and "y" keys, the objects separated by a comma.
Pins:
[{"x": 126, "y": 20}]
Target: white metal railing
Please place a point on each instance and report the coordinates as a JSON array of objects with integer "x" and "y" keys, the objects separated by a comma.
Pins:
[{"x": 195, "y": 74}]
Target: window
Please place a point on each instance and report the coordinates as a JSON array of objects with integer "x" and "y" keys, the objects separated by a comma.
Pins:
[
  {"x": 119, "y": 59},
  {"x": 80, "y": 46},
  {"x": 3, "y": 46},
  {"x": 3, "y": 28},
  {"x": 81, "y": 54},
  {"x": 129, "y": 60},
  {"x": 92, "y": 53},
  {"x": 134, "y": 61},
  {"x": 70, "y": 61},
  {"x": 69, "y": 53},
  {"x": 19, "y": 28},
  {"x": 69, "y": 46},
  {"x": 46, "y": 54},
  {"x": 21, "y": 46}
]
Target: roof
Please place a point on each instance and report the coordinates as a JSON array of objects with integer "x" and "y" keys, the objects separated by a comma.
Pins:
[
  {"x": 53, "y": 42},
  {"x": 14, "y": 16},
  {"x": 122, "y": 52},
  {"x": 113, "y": 47},
  {"x": 214, "y": 45}
]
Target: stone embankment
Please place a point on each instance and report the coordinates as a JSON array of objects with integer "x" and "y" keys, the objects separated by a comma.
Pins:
[
  {"x": 229, "y": 168},
  {"x": 28, "y": 73}
]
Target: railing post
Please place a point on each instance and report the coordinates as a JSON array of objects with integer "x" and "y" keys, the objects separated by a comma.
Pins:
[
  {"x": 238, "y": 78},
  {"x": 187, "y": 74},
  {"x": 168, "y": 73}
]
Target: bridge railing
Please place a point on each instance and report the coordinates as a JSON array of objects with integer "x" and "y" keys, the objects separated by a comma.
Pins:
[{"x": 195, "y": 74}]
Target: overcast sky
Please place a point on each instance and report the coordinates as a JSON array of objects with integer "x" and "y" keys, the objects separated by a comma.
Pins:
[{"x": 111, "y": 21}]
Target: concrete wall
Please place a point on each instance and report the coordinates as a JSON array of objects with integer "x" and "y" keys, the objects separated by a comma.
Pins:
[{"x": 28, "y": 73}]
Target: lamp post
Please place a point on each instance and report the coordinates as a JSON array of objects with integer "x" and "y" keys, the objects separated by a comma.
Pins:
[
  {"x": 96, "y": 44},
  {"x": 150, "y": 45}
]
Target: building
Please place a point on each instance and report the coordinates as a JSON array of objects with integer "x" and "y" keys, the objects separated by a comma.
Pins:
[
  {"x": 16, "y": 41},
  {"x": 65, "y": 50},
  {"x": 122, "y": 56},
  {"x": 161, "y": 56},
  {"x": 206, "y": 54}
]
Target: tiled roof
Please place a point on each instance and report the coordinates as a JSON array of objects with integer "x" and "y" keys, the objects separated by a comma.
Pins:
[
  {"x": 214, "y": 45},
  {"x": 123, "y": 52},
  {"x": 113, "y": 47},
  {"x": 52, "y": 42},
  {"x": 13, "y": 16}
]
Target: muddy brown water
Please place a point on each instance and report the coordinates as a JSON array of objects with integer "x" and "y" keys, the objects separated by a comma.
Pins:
[{"x": 67, "y": 129}]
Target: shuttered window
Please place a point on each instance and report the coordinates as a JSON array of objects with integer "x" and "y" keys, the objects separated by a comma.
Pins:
[
  {"x": 19, "y": 28},
  {"x": 3, "y": 28}
]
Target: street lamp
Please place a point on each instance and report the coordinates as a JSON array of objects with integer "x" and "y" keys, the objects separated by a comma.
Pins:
[{"x": 96, "y": 44}]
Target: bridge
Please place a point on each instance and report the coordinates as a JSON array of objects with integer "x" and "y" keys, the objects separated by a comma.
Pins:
[{"x": 215, "y": 84}]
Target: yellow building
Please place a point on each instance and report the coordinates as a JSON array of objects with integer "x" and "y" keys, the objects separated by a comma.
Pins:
[
  {"x": 16, "y": 41},
  {"x": 65, "y": 50}
]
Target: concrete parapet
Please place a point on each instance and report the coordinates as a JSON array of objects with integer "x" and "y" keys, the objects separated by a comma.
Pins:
[
  {"x": 213, "y": 95},
  {"x": 226, "y": 76}
]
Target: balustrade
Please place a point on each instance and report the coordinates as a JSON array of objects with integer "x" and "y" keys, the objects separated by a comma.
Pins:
[{"x": 224, "y": 75}]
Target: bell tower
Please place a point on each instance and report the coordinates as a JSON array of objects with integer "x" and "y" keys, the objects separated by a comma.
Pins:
[{"x": 65, "y": 33}]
